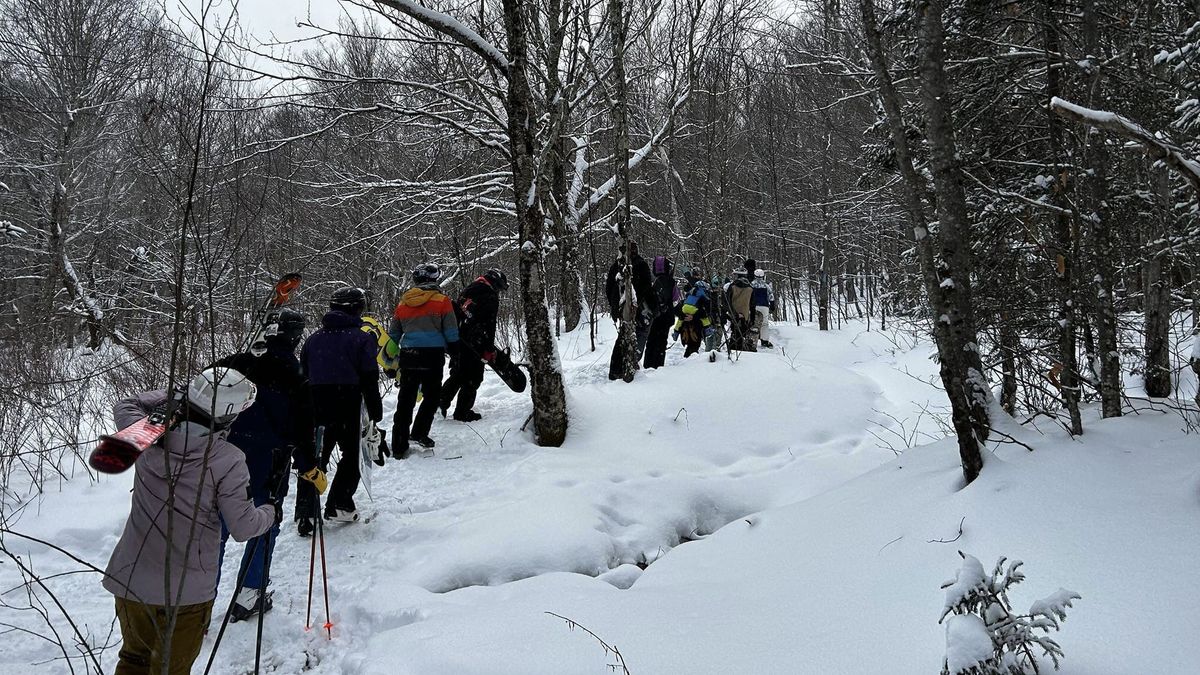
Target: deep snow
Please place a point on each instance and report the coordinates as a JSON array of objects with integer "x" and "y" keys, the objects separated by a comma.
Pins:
[{"x": 776, "y": 533}]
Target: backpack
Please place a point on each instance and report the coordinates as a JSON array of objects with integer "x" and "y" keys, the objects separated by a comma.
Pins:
[{"x": 386, "y": 356}]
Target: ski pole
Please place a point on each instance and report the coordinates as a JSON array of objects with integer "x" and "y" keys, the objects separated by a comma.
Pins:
[
  {"x": 312, "y": 559},
  {"x": 325, "y": 579},
  {"x": 264, "y": 540},
  {"x": 266, "y": 576},
  {"x": 229, "y": 610}
]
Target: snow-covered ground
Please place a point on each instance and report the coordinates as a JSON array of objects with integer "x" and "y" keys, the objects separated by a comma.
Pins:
[{"x": 732, "y": 517}]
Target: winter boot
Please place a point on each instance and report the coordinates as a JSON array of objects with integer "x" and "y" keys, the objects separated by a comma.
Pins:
[
  {"x": 467, "y": 416},
  {"x": 250, "y": 601},
  {"x": 341, "y": 515},
  {"x": 304, "y": 527},
  {"x": 768, "y": 344},
  {"x": 425, "y": 441}
]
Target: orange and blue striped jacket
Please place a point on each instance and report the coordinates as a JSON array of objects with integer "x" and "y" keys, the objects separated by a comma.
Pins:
[{"x": 424, "y": 320}]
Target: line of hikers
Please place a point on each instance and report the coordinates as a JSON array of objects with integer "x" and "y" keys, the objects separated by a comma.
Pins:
[
  {"x": 213, "y": 476},
  {"x": 695, "y": 314}
]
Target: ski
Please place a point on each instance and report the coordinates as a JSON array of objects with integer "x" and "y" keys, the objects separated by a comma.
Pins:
[
  {"x": 270, "y": 325},
  {"x": 116, "y": 452}
]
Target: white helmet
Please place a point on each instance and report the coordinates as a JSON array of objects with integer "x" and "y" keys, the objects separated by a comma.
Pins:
[
  {"x": 759, "y": 274},
  {"x": 221, "y": 394}
]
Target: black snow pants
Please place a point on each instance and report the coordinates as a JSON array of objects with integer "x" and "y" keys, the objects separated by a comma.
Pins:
[
  {"x": 656, "y": 341},
  {"x": 427, "y": 382},
  {"x": 466, "y": 374},
  {"x": 338, "y": 409}
]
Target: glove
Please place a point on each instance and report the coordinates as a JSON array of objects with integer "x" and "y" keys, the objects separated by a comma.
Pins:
[
  {"x": 317, "y": 477},
  {"x": 674, "y": 335},
  {"x": 278, "y": 511},
  {"x": 281, "y": 463},
  {"x": 489, "y": 356},
  {"x": 390, "y": 373},
  {"x": 384, "y": 450}
]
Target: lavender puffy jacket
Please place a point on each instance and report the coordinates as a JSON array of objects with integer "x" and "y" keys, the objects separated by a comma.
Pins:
[{"x": 137, "y": 568}]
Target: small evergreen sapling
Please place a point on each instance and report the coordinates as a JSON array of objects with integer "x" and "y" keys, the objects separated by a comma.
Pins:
[{"x": 983, "y": 634}]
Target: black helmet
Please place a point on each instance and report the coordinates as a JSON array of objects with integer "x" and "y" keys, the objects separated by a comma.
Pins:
[
  {"x": 497, "y": 279},
  {"x": 426, "y": 273},
  {"x": 289, "y": 326},
  {"x": 349, "y": 299}
]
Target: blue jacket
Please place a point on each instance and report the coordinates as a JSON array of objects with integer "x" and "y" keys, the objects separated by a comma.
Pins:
[{"x": 341, "y": 356}]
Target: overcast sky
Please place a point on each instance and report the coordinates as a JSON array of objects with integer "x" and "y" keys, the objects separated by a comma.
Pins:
[{"x": 264, "y": 18}]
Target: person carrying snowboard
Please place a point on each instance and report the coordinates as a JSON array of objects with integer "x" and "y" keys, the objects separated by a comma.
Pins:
[
  {"x": 424, "y": 327},
  {"x": 739, "y": 306},
  {"x": 185, "y": 485},
  {"x": 339, "y": 361},
  {"x": 763, "y": 297},
  {"x": 476, "y": 312},
  {"x": 666, "y": 296},
  {"x": 694, "y": 323},
  {"x": 274, "y": 432}
]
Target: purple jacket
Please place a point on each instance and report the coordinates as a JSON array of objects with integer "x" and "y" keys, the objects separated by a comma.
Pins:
[{"x": 208, "y": 492}]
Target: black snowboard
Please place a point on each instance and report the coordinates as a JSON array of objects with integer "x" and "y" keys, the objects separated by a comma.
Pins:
[{"x": 502, "y": 364}]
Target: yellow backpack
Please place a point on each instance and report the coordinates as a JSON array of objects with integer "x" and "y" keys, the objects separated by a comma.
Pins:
[{"x": 387, "y": 356}]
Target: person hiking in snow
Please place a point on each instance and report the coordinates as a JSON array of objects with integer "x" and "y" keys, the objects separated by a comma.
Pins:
[
  {"x": 424, "y": 327},
  {"x": 387, "y": 356},
  {"x": 763, "y": 297},
  {"x": 274, "y": 432},
  {"x": 645, "y": 306},
  {"x": 339, "y": 361},
  {"x": 476, "y": 311},
  {"x": 716, "y": 291},
  {"x": 666, "y": 296},
  {"x": 739, "y": 308},
  {"x": 693, "y": 322},
  {"x": 185, "y": 486}
]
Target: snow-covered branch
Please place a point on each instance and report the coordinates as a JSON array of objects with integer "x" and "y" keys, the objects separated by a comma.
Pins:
[
  {"x": 448, "y": 25},
  {"x": 1126, "y": 128}
]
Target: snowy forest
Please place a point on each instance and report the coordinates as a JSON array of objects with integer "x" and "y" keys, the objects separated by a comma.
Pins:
[{"x": 994, "y": 201}]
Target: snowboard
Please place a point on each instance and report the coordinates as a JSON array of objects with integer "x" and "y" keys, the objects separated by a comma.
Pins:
[
  {"x": 512, "y": 375},
  {"x": 502, "y": 364},
  {"x": 115, "y": 453}
]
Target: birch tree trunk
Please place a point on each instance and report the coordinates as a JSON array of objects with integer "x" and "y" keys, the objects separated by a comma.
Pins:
[
  {"x": 627, "y": 332},
  {"x": 549, "y": 397}
]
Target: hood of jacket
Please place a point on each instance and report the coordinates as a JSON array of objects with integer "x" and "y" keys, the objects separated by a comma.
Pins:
[
  {"x": 415, "y": 297},
  {"x": 336, "y": 318}
]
